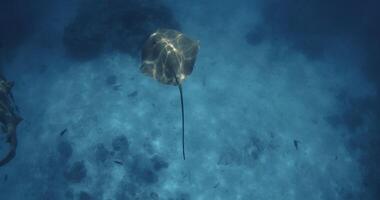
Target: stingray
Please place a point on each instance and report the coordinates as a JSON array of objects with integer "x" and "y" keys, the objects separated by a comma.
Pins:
[{"x": 168, "y": 56}]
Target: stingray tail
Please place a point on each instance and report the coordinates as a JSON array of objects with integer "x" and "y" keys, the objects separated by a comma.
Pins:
[{"x": 183, "y": 122}]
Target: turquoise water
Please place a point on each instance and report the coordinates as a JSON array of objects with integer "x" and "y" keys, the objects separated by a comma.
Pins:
[{"x": 282, "y": 102}]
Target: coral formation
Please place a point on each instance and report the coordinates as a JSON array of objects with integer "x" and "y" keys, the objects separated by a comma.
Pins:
[{"x": 8, "y": 119}]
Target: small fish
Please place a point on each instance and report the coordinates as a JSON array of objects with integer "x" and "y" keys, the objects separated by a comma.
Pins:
[
  {"x": 63, "y": 132},
  {"x": 5, "y": 177},
  {"x": 295, "y": 142},
  {"x": 132, "y": 94},
  {"x": 118, "y": 162}
]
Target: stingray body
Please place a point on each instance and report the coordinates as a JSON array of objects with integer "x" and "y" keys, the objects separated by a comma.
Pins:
[{"x": 169, "y": 57}]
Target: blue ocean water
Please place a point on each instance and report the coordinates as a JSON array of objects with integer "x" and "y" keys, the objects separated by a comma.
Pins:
[{"x": 282, "y": 103}]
